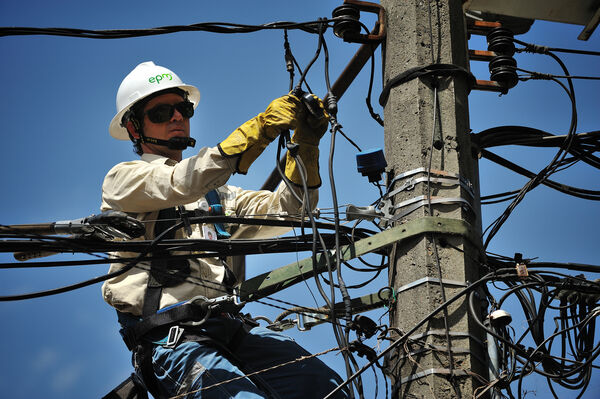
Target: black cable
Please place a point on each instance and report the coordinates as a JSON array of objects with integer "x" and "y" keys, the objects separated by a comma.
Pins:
[
  {"x": 189, "y": 279},
  {"x": 373, "y": 114},
  {"x": 593, "y": 195},
  {"x": 546, "y": 171},
  {"x": 534, "y": 48},
  {"x": 213, "y": 27},
  {"x": 92, "y": 281},
  {"x": 312, "y": 61},
  {"x": 210, "y": 247},
  {"x": 554, "y": 367},
  {"x": 584, "y": 144},
  {"x": 405, "y": 336},
  {"x": 289, "y": 59},
  {"x": 332, "y": 108},
  {"x": 548, "y": 76}
]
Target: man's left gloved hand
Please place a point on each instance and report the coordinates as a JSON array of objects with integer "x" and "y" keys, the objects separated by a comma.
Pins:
[{"x": 309, "y": 130}]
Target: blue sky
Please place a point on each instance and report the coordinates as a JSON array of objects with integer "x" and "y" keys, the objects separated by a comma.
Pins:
[{"x": 59, "y": 97}]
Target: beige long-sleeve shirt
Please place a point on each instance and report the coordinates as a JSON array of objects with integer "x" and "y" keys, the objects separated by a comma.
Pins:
[{"x": 143, "y": 187}]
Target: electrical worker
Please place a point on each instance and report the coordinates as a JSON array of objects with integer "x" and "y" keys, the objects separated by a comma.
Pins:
[{"x": 178, "y": 346}]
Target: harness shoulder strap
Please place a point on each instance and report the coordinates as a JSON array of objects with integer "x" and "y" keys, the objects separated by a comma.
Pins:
[
  {"x": 163, "y": 272},
  {"x": 131, "y": 388}
]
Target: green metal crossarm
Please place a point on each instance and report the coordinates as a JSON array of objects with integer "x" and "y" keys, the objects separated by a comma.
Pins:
[
  {"x": 286, "y": 276},
  {"x": 365, "y": 303}
]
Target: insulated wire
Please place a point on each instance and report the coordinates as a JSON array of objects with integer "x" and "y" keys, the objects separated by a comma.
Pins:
[
  {"x": 312, "y": 61},
  {"x": 534, "y": 48},
  {"x": 406, "y": 335},
  {"x": 549, "y": 169},
  {"x": 593, "y": 195},
  {"x": 92, "y": 281},
  {"x": 373, "y": 114},
  {"x": 213, "y": 27},
  {"x": 342, "y": 285},
  {"x": 549, "y": 76}
]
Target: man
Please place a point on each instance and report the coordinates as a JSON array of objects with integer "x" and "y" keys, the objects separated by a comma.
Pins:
[{"x": 177, "y": 352}]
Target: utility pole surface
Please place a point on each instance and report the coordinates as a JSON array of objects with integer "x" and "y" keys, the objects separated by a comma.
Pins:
[{"x": 430, "y": 153}]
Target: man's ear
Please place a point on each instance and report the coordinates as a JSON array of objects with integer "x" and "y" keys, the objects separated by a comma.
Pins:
[{"x": 131, "y": 128}]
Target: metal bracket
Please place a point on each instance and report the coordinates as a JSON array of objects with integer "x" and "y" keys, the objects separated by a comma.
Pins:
[
  {"x": 412, "y": 182},
  {"x": 451, "y": 333},
  {"x": 439, "y": 371},
  {"x": 425, "y": 280},
  {"x": 446, "y": 177},
  {"x": 306, "y": 321},
  {"x": 283, "y": 325},
  {"x": 413, "y": 204}
]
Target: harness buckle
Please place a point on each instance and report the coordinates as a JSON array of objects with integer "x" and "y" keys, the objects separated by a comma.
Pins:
[{"x": 175, "y": 333}]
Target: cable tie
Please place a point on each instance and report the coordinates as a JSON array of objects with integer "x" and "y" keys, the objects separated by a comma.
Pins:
[
  {"x": 540, "y": 75},
  {"x": 534, "y": 48}
]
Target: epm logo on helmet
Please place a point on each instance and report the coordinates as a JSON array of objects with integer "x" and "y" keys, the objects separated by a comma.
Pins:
[{"x": 156, "y": 79}]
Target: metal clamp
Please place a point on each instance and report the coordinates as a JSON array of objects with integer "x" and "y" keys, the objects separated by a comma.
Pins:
[
  {"x": 307, "y": 320},
  {"x": 304, "y": 322},
  {"x": 455, "y": 178},
  {"x": 451, "y": 333},
  {"x": 410, "y": 184},
  {"x": 413, "y": 204},
  {"x": 226, "y": 304},
  {"x": 283, "y": 325},
  {"x": 76, "y": 226},
  {"x": 424, "y": 280},
  {"x": 438, "y": 371}
]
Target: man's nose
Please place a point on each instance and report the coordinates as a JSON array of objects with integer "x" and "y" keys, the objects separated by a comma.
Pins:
[{"x": 177, "y": 116}]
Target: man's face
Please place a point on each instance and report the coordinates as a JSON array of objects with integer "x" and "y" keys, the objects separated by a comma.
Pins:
[{"x": 177, "y": 126}]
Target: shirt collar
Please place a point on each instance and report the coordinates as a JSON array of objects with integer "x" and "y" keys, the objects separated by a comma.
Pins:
[{"x": 154, "y": 158}]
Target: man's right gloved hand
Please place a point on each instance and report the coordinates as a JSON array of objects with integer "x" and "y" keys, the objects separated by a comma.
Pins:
[
  {"x": 249, "y": 140},
  {"x": 309, "y": 131}
]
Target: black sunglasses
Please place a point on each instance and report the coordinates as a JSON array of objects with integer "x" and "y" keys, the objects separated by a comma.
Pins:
[{"x": 164, "y": 112}]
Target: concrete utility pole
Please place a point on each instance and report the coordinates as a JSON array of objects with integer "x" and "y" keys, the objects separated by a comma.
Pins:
[{"x": 421, "y": 33}]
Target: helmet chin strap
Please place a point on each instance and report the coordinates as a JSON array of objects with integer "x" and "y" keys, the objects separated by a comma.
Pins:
[{"x": 174, "y": 143}]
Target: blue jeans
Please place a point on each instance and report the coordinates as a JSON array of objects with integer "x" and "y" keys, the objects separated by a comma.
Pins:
[{"x": 192, "y": 366}]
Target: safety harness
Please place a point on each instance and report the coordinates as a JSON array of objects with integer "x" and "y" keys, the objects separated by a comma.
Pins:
[{"x": 139, "y": 334}]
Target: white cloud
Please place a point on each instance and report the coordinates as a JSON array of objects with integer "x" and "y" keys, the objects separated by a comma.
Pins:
[
  {"x": 64, "y": 379},
  {"x": 46, "y": 359}
]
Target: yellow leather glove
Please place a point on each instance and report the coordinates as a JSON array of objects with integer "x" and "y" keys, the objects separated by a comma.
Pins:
[
  {"x": 309, "y": 131},
  {"x": 249, "y": 140}
]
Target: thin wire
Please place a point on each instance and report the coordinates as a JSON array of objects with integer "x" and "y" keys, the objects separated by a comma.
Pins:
[
  {"x": 433, "y": 238},
  {"x": 246, "y": 375}
]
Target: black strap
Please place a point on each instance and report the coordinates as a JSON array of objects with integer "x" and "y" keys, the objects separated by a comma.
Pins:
[
  {"x": 163, "y": 272},
  {"x": 143, "y": 364},
  {"x": 421, "y": 71},
  {"x": 188, "y": 311},
  {"x": 131, "y": 388}
]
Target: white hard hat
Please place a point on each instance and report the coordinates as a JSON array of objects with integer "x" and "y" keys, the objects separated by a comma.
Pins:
[{"x": 145, "y": 79}]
